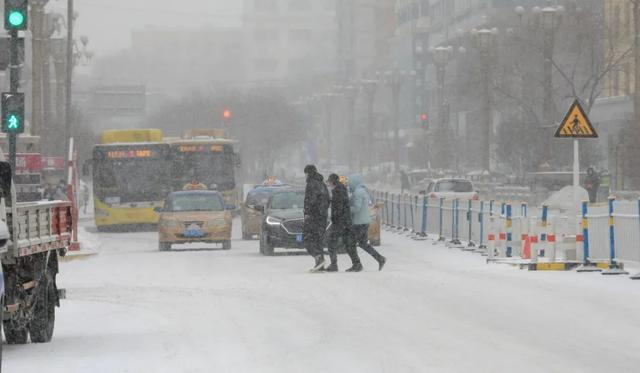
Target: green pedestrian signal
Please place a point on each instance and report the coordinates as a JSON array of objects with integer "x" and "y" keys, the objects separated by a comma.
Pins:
[
  {"x": 13, "y": 112},
  {"x": 15, "y": 14}
]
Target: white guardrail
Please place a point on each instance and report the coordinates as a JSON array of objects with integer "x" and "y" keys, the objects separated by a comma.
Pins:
[{"x": 604, "y": 237}]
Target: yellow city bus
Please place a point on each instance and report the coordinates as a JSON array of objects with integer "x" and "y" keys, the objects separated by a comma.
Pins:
[
  {"x": 206, "y": 157},
  {"x": 131, "y": 177}
]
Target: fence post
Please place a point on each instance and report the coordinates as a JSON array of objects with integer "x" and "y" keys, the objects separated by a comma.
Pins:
[
  {"x": 586, "y": 266},
  {"x": 614, "y": 267},
  {"x": 509, "y": 231},
  {"x": 637, "y": 276},
  {"x": 425, "y": 210},
  {"x": 386, "y": 209},
  {"x": 440, "y": 236},
  {"x": 470, "y": 223},
  {"x": 481, "y": 246},
  {"x": 543, "y": 235},
  {"x": 455, "y": 225},
  {"x": 399, "y": 223},
  {"x": 414, "y": 205},
  {"x": 405, "y": 225}
]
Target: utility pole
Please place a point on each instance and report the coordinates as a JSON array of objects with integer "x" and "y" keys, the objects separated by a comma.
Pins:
[
  {"x": 70, "y": 64},
  {"x": 636, "y": 57},
  {"x": 38, "y": 65},
  {"x": 369, "y": 88}
]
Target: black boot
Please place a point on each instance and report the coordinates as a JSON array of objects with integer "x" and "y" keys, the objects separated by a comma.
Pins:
[
  {"x": 333, "y": 267},
  {"x": 319, "y": 267},
  {"x": 357, "y": 267},
  {"x": 381, "y": 262}
]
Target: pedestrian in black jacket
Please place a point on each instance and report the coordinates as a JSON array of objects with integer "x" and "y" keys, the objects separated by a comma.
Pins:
[
  {"x": 340, "y": 230},
  {"x": 316, "y": 206}
]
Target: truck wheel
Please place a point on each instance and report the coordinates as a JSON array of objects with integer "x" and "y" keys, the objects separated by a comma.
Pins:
[
  {"x": 44, "y": 315},
  {"x": 265, "y": 247},
  {"x": 226, "y": 245},
  {"x": 164, "y": 246},
  {"x": 15, "y": 336}
]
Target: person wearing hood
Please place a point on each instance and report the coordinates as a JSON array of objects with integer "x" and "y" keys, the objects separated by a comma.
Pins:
[
  {"x": 316, "y": 206},
  {"x": 361, "y": 219},
  {"x": 341, "y": 227}
]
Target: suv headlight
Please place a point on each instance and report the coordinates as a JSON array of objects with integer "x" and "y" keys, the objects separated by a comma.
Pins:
[
  {"x": 273, "y": 221},
  {"x": 169, "y": 223}
]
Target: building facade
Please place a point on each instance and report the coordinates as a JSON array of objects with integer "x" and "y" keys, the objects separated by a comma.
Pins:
[{"x": 289, "y": 41}]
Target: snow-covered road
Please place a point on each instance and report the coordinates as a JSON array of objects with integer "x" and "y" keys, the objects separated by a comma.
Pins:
[{"x": 134, "y": 309}]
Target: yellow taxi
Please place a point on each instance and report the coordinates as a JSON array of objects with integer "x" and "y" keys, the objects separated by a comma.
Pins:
[
  {"x": 194, "y": 216},
  {"x": 374, "y": 227},
  {"x": 250, "y": 214}
]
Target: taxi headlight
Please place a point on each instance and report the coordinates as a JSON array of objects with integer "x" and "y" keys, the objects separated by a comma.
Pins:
[
  {"x": 273, "y": 221},
  {"x": 168, "y": 223},
  {"x": 218, "y": 222}
]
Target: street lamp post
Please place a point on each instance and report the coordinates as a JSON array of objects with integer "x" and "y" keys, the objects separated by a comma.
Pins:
[
  {"x": 369, "y": 88},
  {"x": 351, "y": 95},
  {"x": 328, "y": 99},
  {"x": 548, "y": 18},
  {"x": 441, "y": 57},
  {"x": 395, "y": 79},
  {"x": 485, "y": 38}
]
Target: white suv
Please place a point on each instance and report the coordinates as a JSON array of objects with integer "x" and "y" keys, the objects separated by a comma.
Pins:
[{"x": 451, "y": 189}]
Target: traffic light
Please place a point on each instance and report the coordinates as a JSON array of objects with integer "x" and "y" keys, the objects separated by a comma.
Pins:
[
  {"x": 424, "y": 119},
  {"x": 226, "y": 114},
  {"x": 16, "y": 13},
  {"x": 13, "y": 112}
]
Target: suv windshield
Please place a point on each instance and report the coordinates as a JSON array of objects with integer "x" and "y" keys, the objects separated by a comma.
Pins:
[
  {"x": 194, "y": 202},
  {"x": 287, "y": 201},
  {"x": 455, "y": 186}
]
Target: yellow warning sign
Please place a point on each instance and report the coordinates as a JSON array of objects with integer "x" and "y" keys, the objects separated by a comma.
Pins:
[{"x": 576, "y": 124}]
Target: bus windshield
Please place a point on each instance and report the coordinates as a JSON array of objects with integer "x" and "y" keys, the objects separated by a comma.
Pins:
[
  {"x": 126, "y": 179},
  {"x": 207, "y": 167}
]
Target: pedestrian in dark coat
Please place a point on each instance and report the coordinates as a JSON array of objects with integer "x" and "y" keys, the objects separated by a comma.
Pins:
[
  {"x": 405, "y": 183},
  {"x": 316, "y": 211},
  {"x": 341, "y": 229},
  {"x": 592, "y": 184}
]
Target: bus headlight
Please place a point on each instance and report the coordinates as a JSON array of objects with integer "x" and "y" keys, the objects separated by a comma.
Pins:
[
  {"x": 102, "y": 213},
  {"x": 169, "y": 223}
]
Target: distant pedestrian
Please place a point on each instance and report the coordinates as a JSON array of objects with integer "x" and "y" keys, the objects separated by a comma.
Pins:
[
  {"x": 592, "y": 184},
  {"x": 48, "y": 192},
  {"x": 85, "y": 197},
  {"x": 361, "y": 219},
  {"x": 341, "y": 227},
  {"x": 316, "y": 206},
  {"x": 60, "y": 193},
  {"x": 405, "y": 183}
]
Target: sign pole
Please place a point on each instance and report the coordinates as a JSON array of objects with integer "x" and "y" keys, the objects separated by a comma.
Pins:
[{"x": 576, "y": 184}]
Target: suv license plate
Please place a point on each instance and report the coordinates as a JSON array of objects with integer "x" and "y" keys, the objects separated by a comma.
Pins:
[{"x": 299, "y": 238}]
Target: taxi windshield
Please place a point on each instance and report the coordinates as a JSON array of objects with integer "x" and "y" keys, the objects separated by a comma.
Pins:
[{"x": 194, "y": 202}]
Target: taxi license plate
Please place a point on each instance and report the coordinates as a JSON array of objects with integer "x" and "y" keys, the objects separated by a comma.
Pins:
[
  {"x": 299, "y": 238},
  {"x": 193, "y": 232}
]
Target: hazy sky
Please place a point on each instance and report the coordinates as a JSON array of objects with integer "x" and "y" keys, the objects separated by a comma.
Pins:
[{"x": 108, "y": 23}]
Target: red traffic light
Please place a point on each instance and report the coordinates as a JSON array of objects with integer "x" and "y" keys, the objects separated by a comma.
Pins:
[
  {"x": 226, "y": 114},
  {"x": 424, "y": 117}
]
